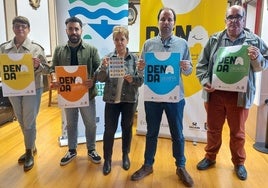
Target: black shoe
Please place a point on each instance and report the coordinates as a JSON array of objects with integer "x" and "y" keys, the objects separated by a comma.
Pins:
[
  {"x": 22, "y": 158},
  {"x": 126, "y": 162},
  {"x": 241, "y": 172},
  {"x": 205, "y": 164},
  {"x": 106, "y": 167},
  {"x": 68, "y": 157},
  {"x": 94, "y": 157},
  {"x": 184, "y": 177},
  {"x": 29, "y": 160},
  {"x": 142, "y": 172}
]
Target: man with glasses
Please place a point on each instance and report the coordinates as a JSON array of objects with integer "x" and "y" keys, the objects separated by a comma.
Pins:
[
  {"x": 26, "y": 107},
  {"x": 230, "y": 105}
]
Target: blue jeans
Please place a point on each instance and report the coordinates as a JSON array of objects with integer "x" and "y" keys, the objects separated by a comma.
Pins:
[
  {"x": 174, "y": 113},
  {"x": 26, "y": 109},
  {"x": 112, "y": 112},
  {"x": 88, "y": 115}
]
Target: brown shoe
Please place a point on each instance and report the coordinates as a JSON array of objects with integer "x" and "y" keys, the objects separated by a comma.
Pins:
[
  {"x": 142, "y": 172},
  {"x": 184, "y": 177}
]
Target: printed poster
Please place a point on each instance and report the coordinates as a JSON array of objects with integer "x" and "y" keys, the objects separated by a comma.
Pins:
[
  {"x": 72, "y": 91},
  {"x": 116, "y": 67},
  {"x": 162, "y": 77},
  {"x": 17, "y": 73},
  {"x": 231, "y": 69}
]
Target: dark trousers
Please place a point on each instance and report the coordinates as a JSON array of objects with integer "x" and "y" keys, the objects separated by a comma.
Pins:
[
  {"x": 112, "y": 113},
  {"x": 174, "y": 113}
]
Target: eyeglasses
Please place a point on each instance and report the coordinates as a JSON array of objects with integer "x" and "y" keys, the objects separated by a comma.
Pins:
[
  {"x": 234, "y": 18},
  {"x": 18, "y": 26}
]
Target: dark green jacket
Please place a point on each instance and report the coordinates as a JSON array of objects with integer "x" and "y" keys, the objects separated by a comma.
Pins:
[{"x": 86, "y": 55}]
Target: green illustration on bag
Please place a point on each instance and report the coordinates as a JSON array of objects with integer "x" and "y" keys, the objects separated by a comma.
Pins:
[{"x": 231, "y": 68}]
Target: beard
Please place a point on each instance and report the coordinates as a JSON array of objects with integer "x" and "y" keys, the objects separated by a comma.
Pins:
[{"x": 74, "y": 38}]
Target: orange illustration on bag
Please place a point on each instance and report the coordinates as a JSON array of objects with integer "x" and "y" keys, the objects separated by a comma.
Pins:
[{"x": 71, "y": 79}]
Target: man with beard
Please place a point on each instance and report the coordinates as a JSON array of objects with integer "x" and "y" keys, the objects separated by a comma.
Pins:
[{"x": 77, "y": 52}]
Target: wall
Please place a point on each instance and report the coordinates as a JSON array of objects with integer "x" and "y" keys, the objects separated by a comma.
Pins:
[
  {"x": 42, "y": 22},
  {"x": 263, "y": 108},
  {"x": 257, "y": 120},
  {"x": 134, "y": 33},
  {"x": 2, "y": 22}
]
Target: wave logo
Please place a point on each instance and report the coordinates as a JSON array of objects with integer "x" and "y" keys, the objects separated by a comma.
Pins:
[{"x": 102, "y": 15}]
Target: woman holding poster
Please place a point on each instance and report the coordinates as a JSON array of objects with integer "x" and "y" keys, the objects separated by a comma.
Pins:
[
  {"x": 122, "y": 80},
  {"x": 26, "y": 107}
]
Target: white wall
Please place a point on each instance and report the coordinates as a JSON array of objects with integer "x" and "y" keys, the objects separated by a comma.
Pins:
[
  {"x": 264, "y": 36},
  {"x": 264, "y": 33},
  {"x": 262, "y": 89},
  {"x": 39, "y": 21},
  {"x": 3, "y": 37},
  {"x": 134, "y": 33},
  {"x": 251, "y": 16}
]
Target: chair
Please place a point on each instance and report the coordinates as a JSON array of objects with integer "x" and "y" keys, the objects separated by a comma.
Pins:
[{"x": 50, "y": 90}]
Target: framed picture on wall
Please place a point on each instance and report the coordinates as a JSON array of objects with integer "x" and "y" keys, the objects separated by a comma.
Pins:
[
  {"x": 35, "y": 4},
  {"x": 132, "y": 14},
  {"x": 38, "y": 14}
]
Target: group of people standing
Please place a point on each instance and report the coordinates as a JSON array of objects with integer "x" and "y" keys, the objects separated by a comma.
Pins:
[{"x": 121, "y": 94}]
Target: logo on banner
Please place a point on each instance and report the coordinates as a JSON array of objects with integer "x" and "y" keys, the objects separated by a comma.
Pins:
[
  {"x": 108, "y": 9},
  {"x": 98, "y": 17},
  {"x": 181, "y": 6}
]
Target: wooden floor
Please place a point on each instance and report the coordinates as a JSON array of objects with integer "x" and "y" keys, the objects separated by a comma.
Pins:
[{"x": 82, "y": 173}]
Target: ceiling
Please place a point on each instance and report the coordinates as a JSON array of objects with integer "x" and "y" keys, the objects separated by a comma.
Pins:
[
  {"x": 134, "y": 1},
  {"x": 231, "y": 2},
  {"x": 240, "y": 2}
]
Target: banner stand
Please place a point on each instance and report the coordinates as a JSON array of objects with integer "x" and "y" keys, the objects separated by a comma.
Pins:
[
  {"x": 194, "y": 119},
  {"x": 263, "y": 146}
]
